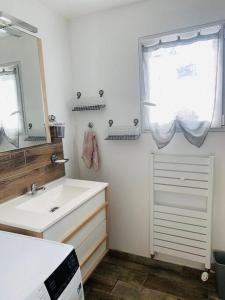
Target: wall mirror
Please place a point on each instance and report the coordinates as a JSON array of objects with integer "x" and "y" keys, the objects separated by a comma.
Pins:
[{"x": 23, "y": 104}]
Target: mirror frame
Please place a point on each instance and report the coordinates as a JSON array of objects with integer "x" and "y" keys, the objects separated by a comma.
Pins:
[
  {"x": 43, "y": 90},
  {"x": 28, "y": 29}
]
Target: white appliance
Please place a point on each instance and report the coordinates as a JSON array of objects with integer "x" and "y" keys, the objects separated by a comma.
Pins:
[{"x": 38, "y": 269}]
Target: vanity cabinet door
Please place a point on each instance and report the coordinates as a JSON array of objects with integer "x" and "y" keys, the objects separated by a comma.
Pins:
[
  {"x": 91, "y": 243},
  {"x": 88, "y": 229},
  {"x": 71, "y": 223},
  {"x": 91, "y": 263}
]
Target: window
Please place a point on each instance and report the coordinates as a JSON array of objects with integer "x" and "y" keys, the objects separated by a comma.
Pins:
[{"x": 182, "y": 84}]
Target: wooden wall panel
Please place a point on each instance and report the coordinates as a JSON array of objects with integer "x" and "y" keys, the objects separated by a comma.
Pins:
[
  {"x": 20, "y": 168},
  {"x": 11, "y": 162},
  {"x": 36, "y": 157}
]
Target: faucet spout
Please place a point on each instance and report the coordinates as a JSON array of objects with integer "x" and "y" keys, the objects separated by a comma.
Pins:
[{"x": 35, "y": 188}]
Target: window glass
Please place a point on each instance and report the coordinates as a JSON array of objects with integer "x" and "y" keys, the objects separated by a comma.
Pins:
[{"x": 182, "y": 81}]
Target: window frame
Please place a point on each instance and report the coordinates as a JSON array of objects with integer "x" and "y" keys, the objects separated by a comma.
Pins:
[{"x": 143, "y": 40}]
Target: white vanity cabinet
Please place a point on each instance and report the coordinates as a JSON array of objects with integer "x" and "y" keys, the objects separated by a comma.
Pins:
[
  {"x": 69, "y": 211},
  {"x": 85, "y": 228}
]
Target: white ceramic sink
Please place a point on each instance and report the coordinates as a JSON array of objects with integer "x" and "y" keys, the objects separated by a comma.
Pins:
[
  {"x": 38, "y": 212},
  {"x": 52, "y": 200}
]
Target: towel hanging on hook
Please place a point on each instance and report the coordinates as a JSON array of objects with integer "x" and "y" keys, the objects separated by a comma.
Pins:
[{"x": 90, "y": 153}]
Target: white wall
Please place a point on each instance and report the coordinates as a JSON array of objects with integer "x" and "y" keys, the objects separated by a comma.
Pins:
[
  {"x": 53, "y": 30},
  {"x": 105, "y": 55}
]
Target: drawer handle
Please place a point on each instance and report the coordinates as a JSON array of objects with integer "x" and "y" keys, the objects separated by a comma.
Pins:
[
  {"x": 93, "y": 250},
  {"x": 77, "y": 228}
]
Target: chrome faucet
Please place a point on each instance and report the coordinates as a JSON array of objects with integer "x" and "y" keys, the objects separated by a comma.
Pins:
[{"x": 34, "y": 188}]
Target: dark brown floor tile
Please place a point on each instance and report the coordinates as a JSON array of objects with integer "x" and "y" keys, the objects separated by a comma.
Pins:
[
  {"x": 125, "y": 263},
  {"x": 176, "y": 288},
  {"x": 99, "y": 295},
  {"x": 123, "y": 276},
  {"x": 213, "y": 296},
  {"x": 147, "y": 261},
  {"x": 166, "y": 266},
  {"x": 181, "y": 279},
  {"x": 156, "y": 295},
  {"x": 133, "y": 277},
  {"x": 86, "y": 290},
  {"x": 104, "y": 282},
  {"x": 132, "y": 258},
  {"x": 184, "y": 276},
  {"x": 195, "y": 275},
  {"x": 125, "y": 291}
]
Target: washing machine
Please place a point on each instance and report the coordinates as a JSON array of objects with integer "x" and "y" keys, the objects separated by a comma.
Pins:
[{"x": 38, "y": 269}]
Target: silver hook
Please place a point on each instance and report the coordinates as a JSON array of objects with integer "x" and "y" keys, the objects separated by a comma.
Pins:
[
  {"x": 136, "y": 121},
  {"x": 90, "y": 125},
  {"x": 51, "y": 118},
  {"x": 101, "y": 93},
  {"x": 110, "y": 123},
  {"x": 78, "y": 95}
]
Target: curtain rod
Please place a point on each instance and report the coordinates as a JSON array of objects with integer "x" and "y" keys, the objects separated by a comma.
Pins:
[
  {"x": 3, "y": 72},
  {"x": 181, "y": 30}
]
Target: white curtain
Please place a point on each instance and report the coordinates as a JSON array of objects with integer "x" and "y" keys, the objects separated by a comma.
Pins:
[
  {"x": 9, "y": 111},
  {"x": 183, "y": 85}
]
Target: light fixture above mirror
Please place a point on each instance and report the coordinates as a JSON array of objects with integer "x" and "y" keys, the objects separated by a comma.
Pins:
[{"x": 7, "y": 21}]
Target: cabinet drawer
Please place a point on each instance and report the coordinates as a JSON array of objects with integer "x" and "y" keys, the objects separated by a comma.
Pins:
[
  {"x": 82, "y": 234},
  {"x": 89, "y": 266},
  {"x": 96, "y": 236},
  {"x": 62, "y": 228}
]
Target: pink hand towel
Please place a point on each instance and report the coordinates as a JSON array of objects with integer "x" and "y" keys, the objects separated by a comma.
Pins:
[
  {"x": 90, "y": 153},
  {"x": 95, "y": 157}
]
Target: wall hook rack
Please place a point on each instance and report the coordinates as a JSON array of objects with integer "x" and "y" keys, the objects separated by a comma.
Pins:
[
  {"x": 89, "y": 103},
  {"x": 123, "y": 132}
]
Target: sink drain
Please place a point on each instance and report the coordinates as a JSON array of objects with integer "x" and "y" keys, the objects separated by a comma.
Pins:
[{"x": 53, "y": 209}]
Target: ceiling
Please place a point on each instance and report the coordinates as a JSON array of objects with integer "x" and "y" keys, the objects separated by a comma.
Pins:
[{"x": 75, "y": 8}]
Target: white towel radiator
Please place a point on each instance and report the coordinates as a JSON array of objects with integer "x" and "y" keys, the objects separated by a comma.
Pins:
[{"x": 181, "y": 207}]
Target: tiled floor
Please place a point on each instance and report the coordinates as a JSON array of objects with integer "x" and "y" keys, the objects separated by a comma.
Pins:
[{"x": 121, "y": 276}]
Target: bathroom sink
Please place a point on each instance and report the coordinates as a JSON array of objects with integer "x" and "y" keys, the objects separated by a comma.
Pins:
[
  {"x": 52, "y": 200},
  {"x": 43, "y": 209}
]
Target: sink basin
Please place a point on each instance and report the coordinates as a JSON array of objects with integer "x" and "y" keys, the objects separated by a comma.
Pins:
[
  {"x": 40, "y": 211},
  {"x": 52, "y": 200}
]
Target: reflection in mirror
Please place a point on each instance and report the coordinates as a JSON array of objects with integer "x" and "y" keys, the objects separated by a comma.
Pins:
[
  {"x": 22, "y": 113},
  {"x": 11, "y": 113}
]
